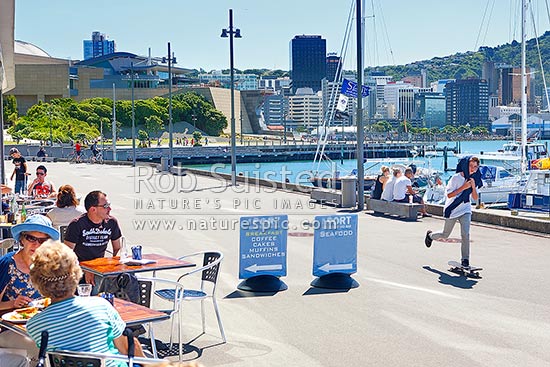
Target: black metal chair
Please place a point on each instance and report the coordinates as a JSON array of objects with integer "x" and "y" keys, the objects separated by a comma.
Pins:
[{"x": 62, "y": 231}]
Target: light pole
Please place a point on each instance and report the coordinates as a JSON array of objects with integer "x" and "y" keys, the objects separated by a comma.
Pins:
[
  {"x": 113, "y": 126},
  {"x": 171, "y": 59},
  {"x": 241, "y": 116},
  {"x": 237, "y": 34},
  {"x": 50, "y": 116},
  {"x": 194, "y": 118},
  {"x": 133, "y": 118}
]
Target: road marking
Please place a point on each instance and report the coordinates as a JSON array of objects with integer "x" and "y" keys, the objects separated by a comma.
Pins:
[{"x": 411, "y": 287}]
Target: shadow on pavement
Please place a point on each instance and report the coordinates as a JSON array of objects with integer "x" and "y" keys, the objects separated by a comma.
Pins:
[
  {"x": 458, "y": 281},
  {"x": 243, "y": 294},
  {"x": 314, "y": 291},
  {"x": 211, "y": 188}
]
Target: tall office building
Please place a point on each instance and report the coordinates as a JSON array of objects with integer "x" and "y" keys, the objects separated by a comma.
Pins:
[
  {"x": 334, "y": 67},
  {"x": 98, "y": 46},
  {"x": 510, "y": 87},
  {"x": 431, "y": 109},
  {"x": 467, "y": 102},
  {"x": 307, "y": 62}
]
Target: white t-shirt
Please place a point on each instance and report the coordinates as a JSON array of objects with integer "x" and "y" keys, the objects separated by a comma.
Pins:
[
  {"x": 387, "y": 194},
  {"x": 400, "y": 188},
  {"x": 465, "y": 207},
  {"x": 64, "y": 216}
]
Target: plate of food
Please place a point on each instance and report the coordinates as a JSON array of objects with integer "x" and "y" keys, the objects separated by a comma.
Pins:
[
  {"x": 20, "y": 316},
  {"x": 40, "y": 303}
]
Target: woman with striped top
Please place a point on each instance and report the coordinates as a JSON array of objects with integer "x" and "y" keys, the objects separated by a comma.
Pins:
[{"x": 80, "y": 324}]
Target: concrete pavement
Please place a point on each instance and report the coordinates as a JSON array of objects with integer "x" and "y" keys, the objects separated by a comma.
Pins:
[{"x": 409, "y": 310}]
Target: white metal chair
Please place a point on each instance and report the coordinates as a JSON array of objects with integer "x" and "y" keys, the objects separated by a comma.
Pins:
[
  {"x": 211, "y": 261},
  {"x": 173, "y": 311},
  {"x": 7, "y": 245}
]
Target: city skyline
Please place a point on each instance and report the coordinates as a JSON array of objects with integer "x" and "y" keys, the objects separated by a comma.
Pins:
[{"x": 415, "y": 30}]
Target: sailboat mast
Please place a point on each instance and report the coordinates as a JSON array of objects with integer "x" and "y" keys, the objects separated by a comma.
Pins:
[
  {"x": 523, "y": 87},
  {"x": 360, "y": 132}
]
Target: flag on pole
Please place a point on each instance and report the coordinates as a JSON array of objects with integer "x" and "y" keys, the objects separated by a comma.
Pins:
[{"x": 349, "y": 89}]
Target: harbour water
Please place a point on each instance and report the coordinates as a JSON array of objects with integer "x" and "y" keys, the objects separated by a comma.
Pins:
[{"x": 300, "y": 171}]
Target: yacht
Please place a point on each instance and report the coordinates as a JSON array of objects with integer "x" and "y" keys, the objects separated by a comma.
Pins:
[{"x": 510, "y": 155}]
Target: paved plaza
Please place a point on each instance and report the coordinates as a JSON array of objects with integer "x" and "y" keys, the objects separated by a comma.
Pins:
[{"x": 408, "y": 310}]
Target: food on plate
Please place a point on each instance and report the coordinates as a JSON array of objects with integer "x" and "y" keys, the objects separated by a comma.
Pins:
[{"x": 24, "y": 313}]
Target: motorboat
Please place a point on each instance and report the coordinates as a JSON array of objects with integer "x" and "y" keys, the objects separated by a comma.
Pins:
[
  {"x": 498, "y": 182},
  {"x": 534, "y": 196}
]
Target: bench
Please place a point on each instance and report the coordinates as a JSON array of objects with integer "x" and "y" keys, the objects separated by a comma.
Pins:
[
  {"x": 409, "y": 211},
  {"x": 325, "y": 196}
]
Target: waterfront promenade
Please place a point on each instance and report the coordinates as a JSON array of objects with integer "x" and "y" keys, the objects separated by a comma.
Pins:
[{"x": 408, "y": 311}]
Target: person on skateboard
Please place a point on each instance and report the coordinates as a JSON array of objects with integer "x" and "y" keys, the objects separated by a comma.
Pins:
[{"x": 461, "y": 187}]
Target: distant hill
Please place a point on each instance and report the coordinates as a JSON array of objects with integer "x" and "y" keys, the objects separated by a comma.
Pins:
[{"x": 469, "y": 64}]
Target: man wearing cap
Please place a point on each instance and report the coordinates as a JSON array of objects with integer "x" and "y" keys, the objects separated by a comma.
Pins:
[
  {"x": 20, "y": 171},
  {"x": 89, "y": 234},
  {"x": 40, "y": 187}
]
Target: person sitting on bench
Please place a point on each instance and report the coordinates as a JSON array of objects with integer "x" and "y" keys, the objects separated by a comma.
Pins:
[{"x": 404, "y": 193}]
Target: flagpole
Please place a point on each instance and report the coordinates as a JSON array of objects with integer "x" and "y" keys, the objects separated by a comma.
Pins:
[{"x": 360, "y": 133}]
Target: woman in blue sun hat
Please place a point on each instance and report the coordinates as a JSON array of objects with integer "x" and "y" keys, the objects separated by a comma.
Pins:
[{"x": 16, "y": 289}]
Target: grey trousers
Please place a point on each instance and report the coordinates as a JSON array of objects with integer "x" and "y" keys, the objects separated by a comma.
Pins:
[{"x": 464, "y": 220}]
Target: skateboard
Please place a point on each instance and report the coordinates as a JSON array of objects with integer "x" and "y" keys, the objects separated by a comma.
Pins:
[{"x": 472, "y": 271}]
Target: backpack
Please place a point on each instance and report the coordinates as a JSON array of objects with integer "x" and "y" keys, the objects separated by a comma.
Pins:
[{"x": 125, "y": 286}]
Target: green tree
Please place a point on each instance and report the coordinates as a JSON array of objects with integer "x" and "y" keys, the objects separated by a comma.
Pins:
[
  {"x": 197, "y": 136},
  {"x": 142, "y": 137},
  {"x": 449, "y": 129},
  {"x": 405, "y": 126},
  {"x": 10, "y": 110},
  {"x": 480, "y": 130},
  {"x": 153, "y": 124},
  {"x": 463, "y": 129}
]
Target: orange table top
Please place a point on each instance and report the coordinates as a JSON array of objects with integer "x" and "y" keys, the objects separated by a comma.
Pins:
[
  {"x": 131, "y": 314},
  {"x": 111, "y": 266}
]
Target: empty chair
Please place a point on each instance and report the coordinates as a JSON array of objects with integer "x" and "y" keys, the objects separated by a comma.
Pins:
[
  {"x": 6, "y": 246},
  {"x": 211, "y": 261}
]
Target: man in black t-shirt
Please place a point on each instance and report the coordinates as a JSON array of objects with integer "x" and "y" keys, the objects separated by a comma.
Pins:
[
  {"x": 89, "y": 234},
  {"x": 20, "y": 171}
]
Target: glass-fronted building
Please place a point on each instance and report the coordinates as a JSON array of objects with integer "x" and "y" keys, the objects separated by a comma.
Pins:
[
  {"x": 431, "y": 109},
  {"x": 307, "y": 62},
  {"x": 334, "y": 67},
  {"x": 242, "y": 81},
  {"x": 99, "y": 45}
]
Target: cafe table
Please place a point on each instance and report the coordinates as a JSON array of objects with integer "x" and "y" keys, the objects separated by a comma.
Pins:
[
  {"x": 104, "y": 267},
  {"x": 131, "y": 313}
]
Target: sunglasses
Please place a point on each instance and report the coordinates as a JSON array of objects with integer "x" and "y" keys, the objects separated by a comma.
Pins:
[
  {"x": 33, "y": 239},
  {"x": 107, "y": 205},
  {"x": 40, "y": 173}
]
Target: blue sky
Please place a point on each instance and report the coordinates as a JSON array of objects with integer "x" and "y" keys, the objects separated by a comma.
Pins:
[{"x": 414, "y": 30}]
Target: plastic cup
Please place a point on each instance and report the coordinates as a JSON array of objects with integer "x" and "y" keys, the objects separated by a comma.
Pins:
[
  {"x": 84, "y": 290},
  {"x": 136, "y": 252}
]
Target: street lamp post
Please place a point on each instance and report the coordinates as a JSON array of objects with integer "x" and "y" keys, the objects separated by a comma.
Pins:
[
  {"x": 133, "y": 118},
  {"x": 170, "y": 59},
  {"x": 241, "y": 116},
  {"x": 113, "y": 126},
  {"x": 237, "y": 34},
  {"x": 51, "y": 134},
  {"x": 194, "y": 118}
]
